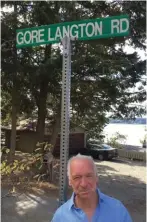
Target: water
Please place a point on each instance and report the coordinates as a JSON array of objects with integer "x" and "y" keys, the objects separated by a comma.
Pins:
[{"x": 134, "y": 132}]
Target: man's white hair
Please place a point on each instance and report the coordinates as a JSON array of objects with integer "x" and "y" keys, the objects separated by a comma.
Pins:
[{"x": 82, "y": 157}]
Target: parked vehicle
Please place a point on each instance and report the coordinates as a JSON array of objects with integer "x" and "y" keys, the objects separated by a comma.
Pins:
[{"x": 100, "y": 151}]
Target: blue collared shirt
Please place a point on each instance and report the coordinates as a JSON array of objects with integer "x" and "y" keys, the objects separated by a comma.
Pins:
[{"x": 108, "y": 210}]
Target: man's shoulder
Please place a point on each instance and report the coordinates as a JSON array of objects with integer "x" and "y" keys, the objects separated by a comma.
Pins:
[
  {"x": 115, "y": 206},
  {"x": 113, "y": 202},
  {"x": 62, "y": 212},
  {"x": 63, "y": 207}
]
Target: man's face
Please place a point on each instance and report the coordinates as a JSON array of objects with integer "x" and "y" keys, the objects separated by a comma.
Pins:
[{"x": 82, "y": 178}]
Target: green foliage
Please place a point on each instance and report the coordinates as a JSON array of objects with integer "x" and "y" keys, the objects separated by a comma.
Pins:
[
  {"x": 9, "y": 168},
  {"x": 35, "y": 165},
  {"x": 102, "y": 72},
  {"x": 117, "y": 140},
  {"x": 144, "y": 140}
]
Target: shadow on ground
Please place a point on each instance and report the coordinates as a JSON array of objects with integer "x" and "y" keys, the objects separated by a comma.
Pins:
[
  {"x": 130, "y": 190},
  {"x": 41, "y": 204},
  {"x": 128, "y": 162},
  {"x": 31, "y": 207}
]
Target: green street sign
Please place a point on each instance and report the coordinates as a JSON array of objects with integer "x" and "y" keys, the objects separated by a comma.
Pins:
[{"x": 81, "y": 30}]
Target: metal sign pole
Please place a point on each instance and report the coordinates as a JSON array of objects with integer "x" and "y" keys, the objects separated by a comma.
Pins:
[{"x": 65, "y": 118}]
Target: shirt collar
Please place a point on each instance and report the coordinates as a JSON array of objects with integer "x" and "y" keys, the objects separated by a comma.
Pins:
[{"x": 71, "y": 200}]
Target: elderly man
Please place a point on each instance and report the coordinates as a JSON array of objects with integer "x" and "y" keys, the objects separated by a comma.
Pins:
[{"x": 87, "y": 202}]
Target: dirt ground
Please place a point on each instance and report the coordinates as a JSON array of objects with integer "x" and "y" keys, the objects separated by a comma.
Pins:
[
  {"x": 122, "y": 179},
  {"x": 126, "y": 181}
]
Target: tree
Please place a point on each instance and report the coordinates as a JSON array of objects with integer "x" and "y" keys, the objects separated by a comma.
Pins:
[
  {"x": 102, "y": 72},
  {"x": 13, "y": 88}
]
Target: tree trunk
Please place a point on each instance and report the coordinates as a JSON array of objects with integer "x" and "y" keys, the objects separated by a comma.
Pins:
[
  {"x": 56, "y": 130},
  {"x": 13, "y": 129},
  {"x": 42, "y": 100},
  {"x": 54, "y": 136},
  {"x": 41, "y": 113},
  {"x": 14, "y": 97}
]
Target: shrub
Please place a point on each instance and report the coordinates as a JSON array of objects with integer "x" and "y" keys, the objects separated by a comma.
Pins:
[{"x": 117, "y": 140}]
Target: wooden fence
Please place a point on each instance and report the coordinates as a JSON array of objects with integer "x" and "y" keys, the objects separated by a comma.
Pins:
[{"x": 134, "y": 155}]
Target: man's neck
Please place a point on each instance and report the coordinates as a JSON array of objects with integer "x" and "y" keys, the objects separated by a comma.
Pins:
[{"x": 87, "y": 204}]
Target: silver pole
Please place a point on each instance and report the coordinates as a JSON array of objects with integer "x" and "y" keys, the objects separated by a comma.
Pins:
[{"x": 65, "y": 118}]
